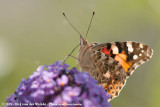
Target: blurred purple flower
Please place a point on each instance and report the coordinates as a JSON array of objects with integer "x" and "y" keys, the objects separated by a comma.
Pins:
[
  {"x": 70, "y": 93},
  {"x": 63, "y": 80},
  {"x": 55, "y": 85}
]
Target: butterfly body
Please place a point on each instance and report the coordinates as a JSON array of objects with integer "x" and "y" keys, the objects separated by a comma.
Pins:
[
  {"x": 112, "y": 63},
  {"x": 85, "y": 61}
]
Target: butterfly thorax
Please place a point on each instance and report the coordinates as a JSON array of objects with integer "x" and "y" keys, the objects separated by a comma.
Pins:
[{"x": 85, "y": 60}]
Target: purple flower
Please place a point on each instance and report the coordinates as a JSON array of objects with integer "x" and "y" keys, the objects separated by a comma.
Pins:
[
  {"x": 70, "y": 93},
  {"x": 63, "y": 80},
  {"x": 55, "y": 85},
  {"x": 11, "y": 99}
]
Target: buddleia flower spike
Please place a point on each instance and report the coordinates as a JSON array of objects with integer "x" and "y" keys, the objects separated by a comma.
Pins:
[{"x": 56, "y": 85}]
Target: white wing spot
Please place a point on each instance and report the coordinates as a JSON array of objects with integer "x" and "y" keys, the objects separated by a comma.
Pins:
[
  {"x": 129, "y": 45},
  {"x": 107, "y": 75},
  {"x": 135, "y": 57},
  {"x": 130, "y": 49},
  {"x": 140, "y": 54},
  {"x": 115, "y": 49},
  {"x": 141, "y": 61},
  {"x": 142, "y": 51},
  {"x": 141, "y": 45},
  {"x": 148, "y": 52}
]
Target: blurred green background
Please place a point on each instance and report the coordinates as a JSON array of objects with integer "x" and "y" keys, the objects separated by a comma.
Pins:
[{"x": 34, "y": 32}]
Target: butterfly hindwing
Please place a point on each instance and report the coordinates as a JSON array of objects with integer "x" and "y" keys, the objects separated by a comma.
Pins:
[{"x": 109, "y": 73}]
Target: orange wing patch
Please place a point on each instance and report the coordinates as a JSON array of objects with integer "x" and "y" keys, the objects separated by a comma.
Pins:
[{"x": 121, "y": 58}]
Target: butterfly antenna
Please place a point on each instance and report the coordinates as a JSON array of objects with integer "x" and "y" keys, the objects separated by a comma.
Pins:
[
  {"x": 74, "y": 47},
  {"x": 90, "y": 24},
  {"x": 71, "y": 24}
]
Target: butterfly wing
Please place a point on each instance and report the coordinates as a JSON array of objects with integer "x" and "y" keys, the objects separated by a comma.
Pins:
[
  {"x": 109, "y": 73},
  {"x": 129, "y": 54},
  {"x": 116, "y": 61}
]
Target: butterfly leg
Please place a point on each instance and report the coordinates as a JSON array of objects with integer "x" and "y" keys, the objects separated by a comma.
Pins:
[
  {"x": 71, "y": 54},
  {"x": 73, "y": 57}
]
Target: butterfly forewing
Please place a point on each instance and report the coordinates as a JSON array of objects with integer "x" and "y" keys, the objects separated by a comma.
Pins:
[
  {"x": 116, "y": 61},
  {"x": 129, "y": 54},
  {"x": 141, "y": 53}
]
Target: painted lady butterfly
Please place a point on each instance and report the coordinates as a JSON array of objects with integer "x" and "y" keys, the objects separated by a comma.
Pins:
[{"x": 111, "y": 63}]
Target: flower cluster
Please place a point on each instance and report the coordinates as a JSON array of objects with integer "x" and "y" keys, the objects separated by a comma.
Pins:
[{"x": 55, "y": 85}]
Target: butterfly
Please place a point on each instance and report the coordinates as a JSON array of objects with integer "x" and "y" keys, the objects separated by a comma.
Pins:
[{"x": 111, "y": 63}]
